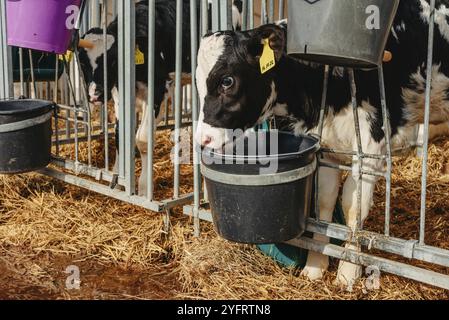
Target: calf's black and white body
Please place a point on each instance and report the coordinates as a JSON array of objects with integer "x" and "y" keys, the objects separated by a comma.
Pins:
[
  {"x": 235, "y": 95},
  {"x": 92, "y": 61}
]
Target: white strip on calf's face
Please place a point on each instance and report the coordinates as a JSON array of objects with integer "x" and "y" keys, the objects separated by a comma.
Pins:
[
  {"x": 211, "y": 49},
  {"x": 93, "y": 54}
]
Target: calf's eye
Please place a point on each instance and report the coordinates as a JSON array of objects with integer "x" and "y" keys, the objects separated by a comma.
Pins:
[{"x": 227, "y": 83}]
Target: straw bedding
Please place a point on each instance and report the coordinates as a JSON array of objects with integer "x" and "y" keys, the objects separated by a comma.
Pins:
[{"x": 123, "y": 252}]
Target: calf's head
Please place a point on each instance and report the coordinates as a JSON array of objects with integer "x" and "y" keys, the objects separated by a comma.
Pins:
[
  {"x": 234, "y": 94},
  {"x": 92, "y": 64}
]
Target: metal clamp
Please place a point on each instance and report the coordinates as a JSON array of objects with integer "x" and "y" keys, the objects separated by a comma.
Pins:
[
  {"x": 409, "y": 248},
  {"x": 16, "y": 126},
  {"x": 259, "y": 180}
]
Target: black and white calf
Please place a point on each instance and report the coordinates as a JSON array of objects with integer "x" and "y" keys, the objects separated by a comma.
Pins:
[
  {"x": 234, "y": 95},
  {"x": 92, "y": 61}
]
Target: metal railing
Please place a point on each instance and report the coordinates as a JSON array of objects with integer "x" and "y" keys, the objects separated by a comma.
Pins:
[{"x": 80, "y": 128}]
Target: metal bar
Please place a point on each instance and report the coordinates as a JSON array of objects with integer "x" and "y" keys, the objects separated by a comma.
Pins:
[
  {"x": 80, "y": 139},
  {"x": 105, "y": 86},
  {"x": 244, "y": 15},
  {"x": 378, "y": 241},
  {"x": 264, "y": 13},
  {"x": 226, "y": 15},
  {"x": 98, "y": 174},
  {"x": 281, "y": 9},
  {"x": 22, "y": 80},
  {"x": 127, "y": 80},
  {"x": 178, "y": 96},
  {"x": 151, "y": 86},
  {"x": 251, "y": 13},
  {"x": 352, "y": 153},
  {"x": 33, "y": 92},
  {"x": 88, "y": 116},
  {"x": 6, "y": 76},
  {"x": 72, "y": 91},
  {"x": 359, "y": 147},
  {"x": 371, "y": 240},
  {"x": 195, "y": 116},
  {"x": 104, "y": 190},
  {"x": 204, "y": 17},
  {"x": 215, "y": 15},
  {"x": 425, "y": 159},
  {"x": 385, "y": 265},
  {"x": 342, "y": 167},
  {"x": 270, "y": 11},
  {"x": 387, "y": 131},
  {"x": 320, "y": 135}
]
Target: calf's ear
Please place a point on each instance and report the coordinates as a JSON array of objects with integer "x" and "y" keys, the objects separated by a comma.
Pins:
[{"x": 276, "y": 37}]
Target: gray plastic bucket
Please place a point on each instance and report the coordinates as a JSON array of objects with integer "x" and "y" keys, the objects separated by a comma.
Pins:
[{"x": 340, "y": 32}]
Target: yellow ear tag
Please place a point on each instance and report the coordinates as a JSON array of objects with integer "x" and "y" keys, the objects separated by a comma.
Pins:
[
  {"x": 68, "y": 56},
  {"x": 267, "y": 60},
  {"x": 140, "y": 57}
]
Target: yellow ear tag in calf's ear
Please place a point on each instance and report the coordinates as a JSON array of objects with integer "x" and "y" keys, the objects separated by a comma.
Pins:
[
  {"x": 267, "y": 60},
  {"x": 140, "y": 57},
  {"x": 68, "y": 56}
]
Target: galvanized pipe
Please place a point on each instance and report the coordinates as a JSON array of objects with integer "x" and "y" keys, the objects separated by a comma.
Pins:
[
  {"x": 195, "y": 116},
  {"x": 75, "y": 113},
  {"x": 151, "y": 88},
  {"x": 105, "y": 86},
  {"x": 425, "y": 159},
  {"x": 178, "y": 96},
  {"x": 384, "y": 265},
  {"x": 245, "y": 15},
  {"x": 127, "y": 81},
  {"x": 387, "y": 131},
  {"x": 22, "y": 81},
  {"x": 320, "y": 135},
  {"x": 271, "y": 11},
  {"x": 204, "y": 17},
  {"x": 33, "y": 92},
  {"x": 359, "y": 147},
  {"x": 251, "y": 13},
  {"x": 6, "y": 76},
  {"x": 281, "y": 9}
]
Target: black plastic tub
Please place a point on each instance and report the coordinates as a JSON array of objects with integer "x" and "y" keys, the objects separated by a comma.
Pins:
[
  {"x": 256, "y": 205},
  {"x": 25, "y": 135}
]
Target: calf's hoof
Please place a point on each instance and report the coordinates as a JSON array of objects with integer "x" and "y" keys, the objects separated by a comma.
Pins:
[
  {"x": 316, "y": 266},
  {"x": 348, "y": 274},
  {"x": 313, "y": 273}
]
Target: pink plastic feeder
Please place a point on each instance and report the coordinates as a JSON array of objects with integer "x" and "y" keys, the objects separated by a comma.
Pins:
[{"x": 44, "y": 25}]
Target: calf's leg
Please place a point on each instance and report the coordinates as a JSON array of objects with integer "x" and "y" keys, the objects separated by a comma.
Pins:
[
  {"x": 329, "y": 181},
  {"x": 348, "y": 273}
]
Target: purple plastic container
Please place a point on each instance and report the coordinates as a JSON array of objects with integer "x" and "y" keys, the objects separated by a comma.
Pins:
[{"x": 44, "y": 25}]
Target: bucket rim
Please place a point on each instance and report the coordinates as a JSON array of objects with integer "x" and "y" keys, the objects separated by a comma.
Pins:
[
  {"x": 286, "y": 156},
  {"x": 44, "y": 106}
]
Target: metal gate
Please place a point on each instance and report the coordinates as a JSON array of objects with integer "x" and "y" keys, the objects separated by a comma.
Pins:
[{"x": 78, "y": 126}]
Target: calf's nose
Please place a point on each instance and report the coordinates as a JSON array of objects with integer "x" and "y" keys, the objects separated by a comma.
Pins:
[{"x": 206, "y": 140}]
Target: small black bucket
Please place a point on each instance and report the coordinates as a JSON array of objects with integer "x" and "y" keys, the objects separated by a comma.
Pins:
[
  {"x": 25, "y": 135},
  {"x": 260, "y": 198}
]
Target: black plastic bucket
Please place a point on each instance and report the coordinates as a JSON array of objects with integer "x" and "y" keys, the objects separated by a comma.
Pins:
[
  {"x": 259, "y": 207},
  {"x": 25, "y": 135}
]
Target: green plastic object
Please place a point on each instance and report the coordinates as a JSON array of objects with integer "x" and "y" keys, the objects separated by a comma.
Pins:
[{"x": 293, "y": 257}]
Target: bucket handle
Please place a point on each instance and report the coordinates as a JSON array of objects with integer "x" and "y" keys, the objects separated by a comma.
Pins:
[
  {"x": 16, "y": 126},
  {"x": 262, "y": 180}
]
